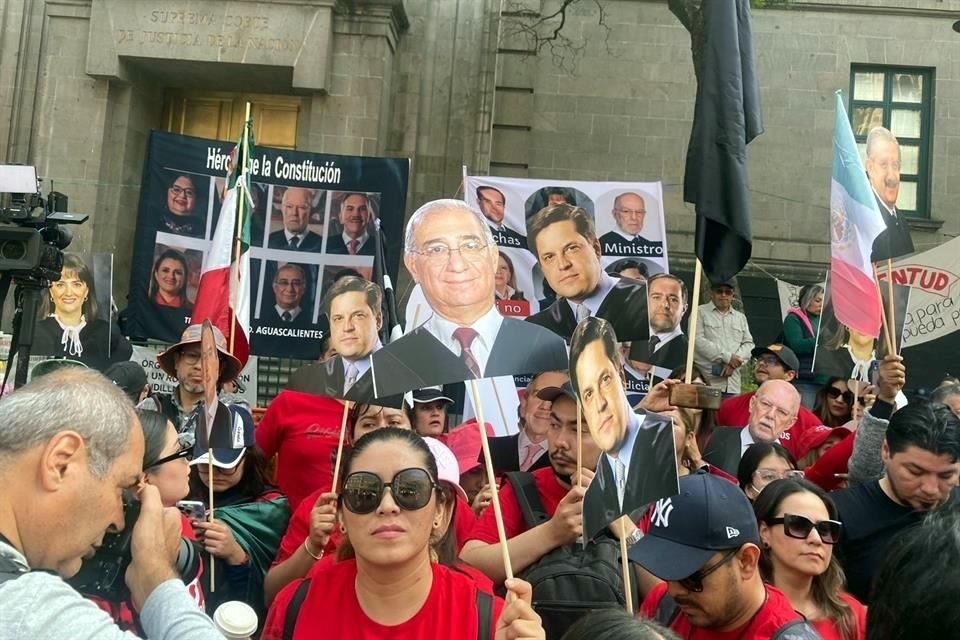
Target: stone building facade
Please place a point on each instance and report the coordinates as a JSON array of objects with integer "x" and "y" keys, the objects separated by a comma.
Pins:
[{"x": 448, "y": 84}]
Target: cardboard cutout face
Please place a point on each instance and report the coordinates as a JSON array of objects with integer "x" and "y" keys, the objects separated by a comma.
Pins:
[
  {"x": 638, "y": 463},
  {"x": 451, "y": 254},
  {"x": 666, "y": 349}
]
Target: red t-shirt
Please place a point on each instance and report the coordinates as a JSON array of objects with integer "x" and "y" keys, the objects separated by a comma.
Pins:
[
  {"x": 551, "y": 493},
  {"x": 836, "y": 460},
  {"x": 775, "y": 613},
  {"x": 332, "y": 611},
  {"x": 828, "y": 629},
  {"x": 735, "y": 412},
  {"x": 304, "y": 430}
]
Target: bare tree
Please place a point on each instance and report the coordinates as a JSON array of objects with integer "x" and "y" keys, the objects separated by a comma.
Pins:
[{"x": 551, "y": 32}]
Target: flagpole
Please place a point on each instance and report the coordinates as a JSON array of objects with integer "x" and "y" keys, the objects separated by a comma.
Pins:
[
  {"x": 692, "y": 327},
  {"x": 239, "y": 222},
  {"x": 887, "y": 331}
]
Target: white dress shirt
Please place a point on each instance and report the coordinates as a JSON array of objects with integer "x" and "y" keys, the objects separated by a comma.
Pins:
[
  {"x": 361, "y": 240},
  {"x": 293, "y": 312},
  {"x": 625, "y": 453}
]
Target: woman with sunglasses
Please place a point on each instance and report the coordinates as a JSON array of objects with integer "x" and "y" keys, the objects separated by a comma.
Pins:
[
  {"x": 166, "y": 466},
  {"x": 798, "y": 527},
  {"x": 387, "y": 585},
  {"x": 834, "y": 403},
  {"x": 761, "y": 464},
  {"x": 249, "y": 517}
]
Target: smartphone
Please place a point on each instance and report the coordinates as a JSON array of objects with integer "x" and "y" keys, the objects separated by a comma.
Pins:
[
  {"x": 695, "y": 396},
  {"x": 193, "y": 510}
]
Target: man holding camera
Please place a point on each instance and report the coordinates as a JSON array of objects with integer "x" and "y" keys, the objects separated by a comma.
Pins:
[{"x": 69, "y": 447}]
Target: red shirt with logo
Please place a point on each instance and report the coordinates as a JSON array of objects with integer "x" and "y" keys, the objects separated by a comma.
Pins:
[
  {"x": 332, "y": 611},
  {"x": 551, "y": 493},
  {"x": 735, "y": 412},
  {"x": 303, "y": 430},
  {"x": 774, "y": 614}
]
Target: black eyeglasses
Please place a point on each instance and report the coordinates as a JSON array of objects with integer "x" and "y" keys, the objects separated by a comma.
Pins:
[
  {"x": 800, "y": 527},
  {"x": 694, "y": 582},
  {"x": 410, "y": 488},
  {"x": 835, "y": 393},
  {"x": 186, "y": 451}
]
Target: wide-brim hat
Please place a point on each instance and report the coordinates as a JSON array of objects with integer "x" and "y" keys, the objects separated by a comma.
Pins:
[{"x": 230, "y": 366}]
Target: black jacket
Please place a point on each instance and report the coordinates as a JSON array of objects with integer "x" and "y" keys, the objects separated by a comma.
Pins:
[
  {"x": 723, "y": 450},
  {"x": 625, "y": 307},
  {"x": 895, "y": 240}
]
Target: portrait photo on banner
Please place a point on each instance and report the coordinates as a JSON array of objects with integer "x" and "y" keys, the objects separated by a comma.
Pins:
[
  {"x": 638, "y": 462},
  {"x": 451, "y": 255},
  {"x": 849, "y": 354},
  {"x": 313, "y": 218},
  {"x": 75, "y": 319}
]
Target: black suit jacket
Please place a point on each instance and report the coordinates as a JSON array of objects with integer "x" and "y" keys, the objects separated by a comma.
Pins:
[
  {"x": 309, "y": 242},
  {"x": 419, "y": 360},
  {"x": 652, "y": 475},
  {"x": 327, "y": 378},
  {"x": 614, "y": 244},
  {"x": 269, "y": 316},
  {"x": 625, "y": 307},
  {"x": 335, "y": 244},
  {"x": 895, "y": 240},
  {"x": 670, "y": 356},
  {"x": 723, "y": 450},
  {"x": 505, "y": 454}
]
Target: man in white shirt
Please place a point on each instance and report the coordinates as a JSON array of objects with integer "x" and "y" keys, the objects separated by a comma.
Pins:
[
  {"x": 883, "y": 169},
  {"x": 723, "y": 340},
  {"x": 354, "y": 218}
]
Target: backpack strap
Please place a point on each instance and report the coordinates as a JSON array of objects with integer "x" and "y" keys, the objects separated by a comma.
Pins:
[
  {"x": 484, "y": 614},
  {"x": 293, "y": 609},
  {"x": 796, "y": 630},
  {"x": 528, "y": 497},
  {"x": 667, "y": 610}
]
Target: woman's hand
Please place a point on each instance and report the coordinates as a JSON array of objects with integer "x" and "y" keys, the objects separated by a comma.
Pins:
[
  {"x": 218, "y": 541},
  {"x": 323, "y": 517},
  {"x": 518, "y": 620}
]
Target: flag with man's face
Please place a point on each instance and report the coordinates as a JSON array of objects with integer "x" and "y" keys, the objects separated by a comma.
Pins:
[{"x": 223, "y": 296}]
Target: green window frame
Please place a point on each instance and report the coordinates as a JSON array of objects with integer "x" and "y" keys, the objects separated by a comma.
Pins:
[{"x": 900, "y": 99}]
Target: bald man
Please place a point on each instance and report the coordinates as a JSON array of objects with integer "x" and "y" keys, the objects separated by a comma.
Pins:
[
  {"x": 773, "y": 409},
  {"x": 629, "y": 212},
  {"x": 296, "y": 206}
]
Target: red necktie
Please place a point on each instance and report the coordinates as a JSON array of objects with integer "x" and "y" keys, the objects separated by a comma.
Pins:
[
  {"x": 352, "y": 247},
  {"x": 465, "y": 336}
]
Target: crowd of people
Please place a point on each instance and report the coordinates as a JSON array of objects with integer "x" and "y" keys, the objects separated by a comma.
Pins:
[{"x": 831, "y": 516}]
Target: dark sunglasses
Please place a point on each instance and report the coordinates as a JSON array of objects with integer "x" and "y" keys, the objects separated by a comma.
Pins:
[
  {"x": 694, "y": 582},
  {"x": 410, "y": 488},
  {"x": 835, "y": 393},
  {"x": 186, "y": 451},
  {"x": 800, "y": 527}
]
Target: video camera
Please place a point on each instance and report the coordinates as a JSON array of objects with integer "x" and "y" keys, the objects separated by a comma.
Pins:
[
  {"x": 104, "y": 574},
  {"x": 31, "y": 238}
]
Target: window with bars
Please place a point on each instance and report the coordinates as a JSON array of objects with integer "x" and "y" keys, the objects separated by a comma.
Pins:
[{"x": 900, "y": 99}]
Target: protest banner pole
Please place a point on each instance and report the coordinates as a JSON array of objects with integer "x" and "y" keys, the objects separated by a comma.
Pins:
[
  {"x": 891, "y": 316},
  {"x": 343, "y": 429},
  {"x": 625, "y": 567},
  {"x": 692, "y": 326},
  {"x": 210, "y": 374},
  {"x": 491, "y": 481},
  {"x": 887, "y": 330}
]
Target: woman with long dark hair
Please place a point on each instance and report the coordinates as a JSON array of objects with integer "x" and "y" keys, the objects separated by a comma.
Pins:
[
  {"x": 388, "y": 582},
  {"x": 249, "y": 517},
  {"x": 75, "y": 326},
  {"x": 762, "y": 464},
  {"x": 834, "y": 403},
  {"x": 799, "y": 524},
  {"x": 182, "y": 203}
]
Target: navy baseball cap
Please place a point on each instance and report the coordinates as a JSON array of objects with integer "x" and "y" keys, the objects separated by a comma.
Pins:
[
  {"x": 709, "y": 514},
  {"x": 236, "y": 425}
]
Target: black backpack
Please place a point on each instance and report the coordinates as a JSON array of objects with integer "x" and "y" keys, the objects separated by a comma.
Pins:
[
  {"x": 484, "y": 612},
  {"x": 668, "y": 610},
  {"x": 573, "y": 580}
]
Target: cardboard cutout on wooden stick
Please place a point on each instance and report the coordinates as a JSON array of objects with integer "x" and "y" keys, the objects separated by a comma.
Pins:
[
  {"x": 450, "y": 252},
  {"x": 638, "y": 464}
]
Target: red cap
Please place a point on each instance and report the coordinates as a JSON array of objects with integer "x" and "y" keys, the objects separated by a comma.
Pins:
[
  {"x": 464, "y": 441},
  {"x": 815, "y": 437}
]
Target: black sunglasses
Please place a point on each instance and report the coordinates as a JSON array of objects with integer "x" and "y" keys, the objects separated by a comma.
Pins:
[
  {"x": 410, "y": 488},
  {"x": 185, "y": 452},
  {"x": 694, "y": 582},
  {"x": 800, "y": 527},
  {"x": 835, "y": 393}
]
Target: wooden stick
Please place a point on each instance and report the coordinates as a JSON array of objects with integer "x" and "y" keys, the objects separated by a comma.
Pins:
[
  {"x": 503, "y": 414},
  {"x": 887, "y": 331},
  {"x": 492, "y": 481},
  {"x": 692, "y": 327},
  {"x": 343, "y": 429},
  {"x": 625, "y": 566},
  {"x": 213, "y": 563},
  {"x": 579, "y": 445},
  {"x": 891, "y": 316},
  {"x": 856, "y": 398}
]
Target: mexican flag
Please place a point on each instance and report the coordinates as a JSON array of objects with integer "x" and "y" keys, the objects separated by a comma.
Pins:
[{"x": 223, "y": 296}]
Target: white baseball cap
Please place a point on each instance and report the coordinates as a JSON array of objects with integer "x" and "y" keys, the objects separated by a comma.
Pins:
[{"x": 448, "y": 470}]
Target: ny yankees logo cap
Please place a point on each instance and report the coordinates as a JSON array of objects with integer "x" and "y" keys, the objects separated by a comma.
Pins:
[{"x": 709, "y": 514}]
